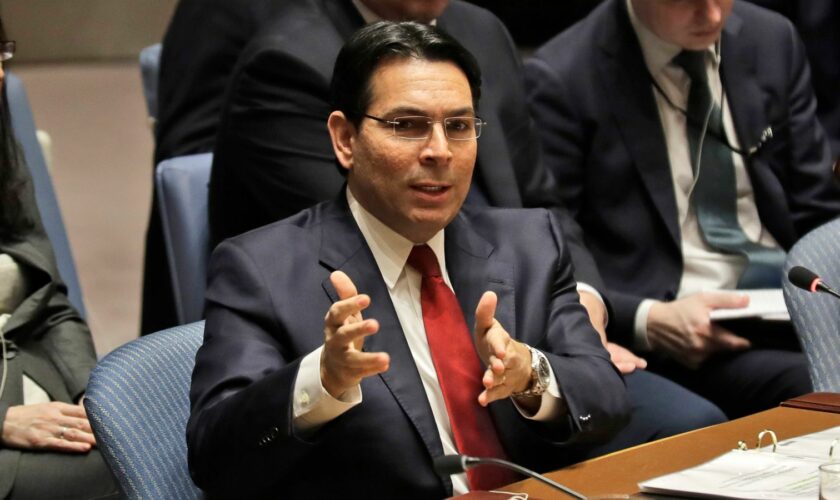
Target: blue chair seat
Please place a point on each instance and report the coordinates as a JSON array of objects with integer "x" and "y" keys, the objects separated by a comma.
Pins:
[{"x": 138, "y": 404}]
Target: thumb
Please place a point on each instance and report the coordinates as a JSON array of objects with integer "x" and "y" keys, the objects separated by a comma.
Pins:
[
  {"x": 343, "y": 285},
  {"x": 728, "y": 340},
  {"x": 485, "y": 312}
]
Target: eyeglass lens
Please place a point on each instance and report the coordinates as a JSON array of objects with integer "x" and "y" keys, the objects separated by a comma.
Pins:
[{"x": 459, "y": 128}]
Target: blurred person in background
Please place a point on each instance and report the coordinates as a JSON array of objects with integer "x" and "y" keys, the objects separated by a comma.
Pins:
[{"x": 47, "y": 448}]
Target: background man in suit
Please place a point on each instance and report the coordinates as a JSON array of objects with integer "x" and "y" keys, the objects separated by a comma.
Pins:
[
  {"x": 277, "y": 405},
  {"x": 200, "y": 48},
  {"x": 617, "y": 117},
  {"x": 274, "y": 157}
]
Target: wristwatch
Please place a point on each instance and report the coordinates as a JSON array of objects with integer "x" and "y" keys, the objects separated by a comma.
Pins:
[{"x": 540, "y": 375}]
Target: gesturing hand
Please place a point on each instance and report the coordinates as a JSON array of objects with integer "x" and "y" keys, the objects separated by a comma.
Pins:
[
  {"x": 48, "y": 426},
  {"x": 684, "y": 329},
  {"x": 343, "y": 364},
  {"x": 508, "y": 361}
]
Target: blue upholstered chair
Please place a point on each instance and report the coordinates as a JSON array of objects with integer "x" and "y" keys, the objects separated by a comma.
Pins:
[
  {"x": 24, "y": 128},
  {"x": 182, "y": 199},
  {"x": 138, "y": 404},
  {"x": 816, "y": 316},
  {"x": 149, "y": 70}
]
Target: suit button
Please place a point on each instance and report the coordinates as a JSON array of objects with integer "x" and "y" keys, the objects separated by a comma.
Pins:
[{"x": 585, "y": 420}]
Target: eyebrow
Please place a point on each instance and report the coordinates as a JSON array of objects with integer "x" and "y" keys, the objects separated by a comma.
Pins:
[{"x": 412, "y": 111}]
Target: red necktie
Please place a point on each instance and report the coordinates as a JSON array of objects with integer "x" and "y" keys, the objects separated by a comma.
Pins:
[{"x": 459, "y": 372}]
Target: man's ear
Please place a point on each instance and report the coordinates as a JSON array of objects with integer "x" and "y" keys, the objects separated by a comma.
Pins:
[{"x": 342, "y": 133}]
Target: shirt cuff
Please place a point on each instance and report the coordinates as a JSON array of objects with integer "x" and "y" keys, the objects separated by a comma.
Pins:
[
  {"x": 640, "y": 336},
  {"x": 551, "y": 402},
  {"x": 583, "y": 287},
  {"x": 313, "y": 406}
]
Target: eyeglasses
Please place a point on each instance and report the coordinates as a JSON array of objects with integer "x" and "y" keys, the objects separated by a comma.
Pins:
[
  {"x": 7, "y": 50},
  {"x": 457, "y": 128}
]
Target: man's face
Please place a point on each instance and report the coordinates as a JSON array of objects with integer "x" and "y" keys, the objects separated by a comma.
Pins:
[
  {"x": 415, "y": 186},
  {"x": 422, "y": 11},
  {"x": 691, "y": 24}
]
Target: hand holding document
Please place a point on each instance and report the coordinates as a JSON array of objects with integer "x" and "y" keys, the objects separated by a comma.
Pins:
[{"x": 767, "y": 304}]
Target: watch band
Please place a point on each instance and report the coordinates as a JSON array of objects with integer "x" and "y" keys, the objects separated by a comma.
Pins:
[{"x": 539, "y": 375}]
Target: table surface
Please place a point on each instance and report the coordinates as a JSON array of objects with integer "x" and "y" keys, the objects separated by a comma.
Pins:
[{"x": 619, "y": 473}]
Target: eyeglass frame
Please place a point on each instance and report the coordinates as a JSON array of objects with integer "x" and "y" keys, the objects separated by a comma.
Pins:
[
  {"x": 7, "y": 50},
  {"x": 479, "y": 123}
]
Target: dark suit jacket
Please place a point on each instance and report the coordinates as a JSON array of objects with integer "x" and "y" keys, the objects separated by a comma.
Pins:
[
  {"x": 269, "y": 290},
  {"x": 591, "y": 96},
  {"x": 273, "y": 154},
  {"x": 200, "y": 48},
  {"x": 817, "y": 21},
  {"x": 52, "y": 343}
]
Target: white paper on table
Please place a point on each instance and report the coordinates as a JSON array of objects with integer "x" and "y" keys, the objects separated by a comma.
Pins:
[
  {"x": 791, "y": 472},
  {"x": 766, "y": 303},
  {"x": 744, "y": 474}
]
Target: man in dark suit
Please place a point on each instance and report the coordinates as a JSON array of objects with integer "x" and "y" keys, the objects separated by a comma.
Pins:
[
  {"x": 200, "y": 48},
  {"x": 616, "y": 111},
  {"x": 273, "y": 155},
  {"x": 286, "y": 399}
]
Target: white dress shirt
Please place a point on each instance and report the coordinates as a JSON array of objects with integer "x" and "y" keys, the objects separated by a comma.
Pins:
[
  {"x": 704, "y": 268},
  {"x": 313, "y": 406}
]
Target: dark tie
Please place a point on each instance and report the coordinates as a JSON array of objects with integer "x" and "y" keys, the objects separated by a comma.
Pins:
[
  {"x": 459, "y": 372},
  {"x": 714, "y": 196}
]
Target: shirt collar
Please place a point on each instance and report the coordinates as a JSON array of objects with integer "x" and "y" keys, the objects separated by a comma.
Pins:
[
  {"x": 370, "y": 16},
  {"x": 390, "y": 249},
  {"x": 657, "y": 52}
]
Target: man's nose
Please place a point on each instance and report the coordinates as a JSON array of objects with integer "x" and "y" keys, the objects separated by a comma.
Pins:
[
  {"x": 437, "y": 145},
  {"x": 709, "y": 11}
]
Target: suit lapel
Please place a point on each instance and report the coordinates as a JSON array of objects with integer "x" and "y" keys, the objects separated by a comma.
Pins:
[
  {"x": 634, "y": 107},
  {"x": 473, "y": 269},
  {"x": 746, "y": 100},
  {"x": 743, "y": 94},
  {"x": 344, "y": 249}
]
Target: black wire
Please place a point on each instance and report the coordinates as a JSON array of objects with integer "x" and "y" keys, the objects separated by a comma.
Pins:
[{"x": 714, "y": 133}]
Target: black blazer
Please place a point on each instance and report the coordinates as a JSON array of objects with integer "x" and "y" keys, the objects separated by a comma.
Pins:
[
  {"x": 265, "y": 310},
  {"x": 591, "y": 95},
  {"x": 200, "y": 48},
  {"x": 51, "y": 341},
  {"x": 273, "y": 154}
]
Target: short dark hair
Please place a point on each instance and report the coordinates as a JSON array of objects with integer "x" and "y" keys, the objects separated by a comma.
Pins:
[
  {"x": 13, "y": 220},
  {"x": 382, "y": 41}
]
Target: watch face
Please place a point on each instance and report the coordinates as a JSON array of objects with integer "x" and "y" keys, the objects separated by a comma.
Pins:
[{"x": 544, "y": 370}]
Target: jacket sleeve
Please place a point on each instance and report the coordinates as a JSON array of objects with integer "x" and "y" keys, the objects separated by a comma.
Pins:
[
  {"x": 240, "y": 434},
  {"x": 46, "y": 316}
]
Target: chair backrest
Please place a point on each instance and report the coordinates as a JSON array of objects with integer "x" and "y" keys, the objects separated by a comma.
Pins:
[
  {"x": 182, "y": 201},
  {"x": 816, "y": 316},
  {"x": 24, "y": 129},
  {"x": 149, "y": 70},
  {"x": 138, "y": 404}
]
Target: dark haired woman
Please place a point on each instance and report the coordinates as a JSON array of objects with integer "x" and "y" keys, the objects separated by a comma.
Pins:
[{"x": 46, "y": 352}]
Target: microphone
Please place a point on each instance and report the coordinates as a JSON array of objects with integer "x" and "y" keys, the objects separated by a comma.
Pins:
[
  {"x": 446, "y": 465},
  {"x": 808, "y": 280}
]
